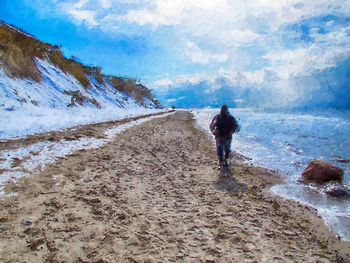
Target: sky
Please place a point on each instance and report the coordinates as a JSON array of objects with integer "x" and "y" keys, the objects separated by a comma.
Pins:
[{"x": 198, "y": 53}]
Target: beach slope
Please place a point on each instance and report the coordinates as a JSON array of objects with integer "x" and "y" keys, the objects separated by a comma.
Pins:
[{"x": 153, "y": 194}]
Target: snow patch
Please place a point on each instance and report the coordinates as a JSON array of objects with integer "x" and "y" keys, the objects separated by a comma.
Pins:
[{"x": 32, "y": 159}]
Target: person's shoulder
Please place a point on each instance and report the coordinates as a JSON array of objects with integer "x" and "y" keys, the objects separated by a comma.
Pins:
[
  {"x": 214, "y": 119},
  {"x": 232, "y": 118}
]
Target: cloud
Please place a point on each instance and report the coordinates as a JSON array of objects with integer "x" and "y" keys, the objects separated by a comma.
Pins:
[
  {"x": 325, "y": 51},
  {"x": 84, "y": 16},
  {"x": 105, "y": 3},
  {"x": 80, "y": 11},
  {"x": 198, "y": 55},
  {"x": 171, "y": 12},
  {"x": 241, "y": 36},
  {"x": 256, "y": 77},
  {"x": 248, "y": 43},
  {"x": 227, "y": 31},
  {"x": 162, "y": 83}
]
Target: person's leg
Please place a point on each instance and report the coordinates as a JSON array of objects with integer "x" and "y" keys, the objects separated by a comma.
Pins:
[
  {"x": 220, "y": 144},
  {"x": 227, "y": 149}
]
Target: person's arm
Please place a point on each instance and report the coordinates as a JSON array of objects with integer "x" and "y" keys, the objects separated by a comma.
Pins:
[
  {"x": 234, "y": 125},
  {"x": 213, "y": 126}
]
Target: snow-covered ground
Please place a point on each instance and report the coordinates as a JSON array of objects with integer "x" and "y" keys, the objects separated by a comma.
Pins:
[
  {"x": 36, "y": 156},
  {"x": 28, "y": 107}
]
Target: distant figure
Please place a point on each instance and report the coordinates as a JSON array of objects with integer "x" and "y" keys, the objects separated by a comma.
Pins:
[{"x": 223, "y": 126}]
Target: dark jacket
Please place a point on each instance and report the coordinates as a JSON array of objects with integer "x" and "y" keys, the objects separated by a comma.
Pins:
[{"x": 223, "y": 125}]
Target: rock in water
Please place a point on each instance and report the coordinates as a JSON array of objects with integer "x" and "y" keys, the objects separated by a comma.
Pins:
[
  {"x": 321, "y": 172},
  {"x": 336, "y": 190}
]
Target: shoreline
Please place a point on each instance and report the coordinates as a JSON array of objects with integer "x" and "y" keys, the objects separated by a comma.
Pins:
[
  {"x": 152, "y": 194},
  {"x": 334, "y": 211},
  {"x": 279, "y": 179}
]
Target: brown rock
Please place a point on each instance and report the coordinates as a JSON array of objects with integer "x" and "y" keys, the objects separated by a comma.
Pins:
[{"x": 321, "y": 172}]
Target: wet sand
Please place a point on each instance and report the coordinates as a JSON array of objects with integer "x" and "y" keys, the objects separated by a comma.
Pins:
[{"x": 154, "y": 195}]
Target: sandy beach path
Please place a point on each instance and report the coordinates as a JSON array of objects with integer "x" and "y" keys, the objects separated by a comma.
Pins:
[{"x": 153, "y": 195}]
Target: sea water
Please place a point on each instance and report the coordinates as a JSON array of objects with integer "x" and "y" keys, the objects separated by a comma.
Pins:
[{"x": 286, "y": 142}]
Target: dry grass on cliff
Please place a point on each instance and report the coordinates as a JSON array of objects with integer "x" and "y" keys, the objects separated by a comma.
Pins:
[{"x": 18, "y": 52}]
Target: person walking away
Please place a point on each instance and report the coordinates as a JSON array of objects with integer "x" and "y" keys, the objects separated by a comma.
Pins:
[{"x": 223, "y": 126}]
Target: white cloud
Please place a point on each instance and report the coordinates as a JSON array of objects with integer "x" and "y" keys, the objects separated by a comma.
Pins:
[
  {"x": 84, "y": 15},
  {"x": 198, "y": 55},
  {"x": 201, "y": 15},
  {"x": 324, "y": 52},
  {"x": 241, "y": 36},
  {"x": 80, "y": 12},
  {"x": 215, "y": 80},
  {"x": 255, "y": 77},
  {"x": 172, "y": 12},
  {"x": 248, "y": 34},
  {"x": 80, "y": 4},
  {"x": 106, "y": 4},
  {"x": 163, "y": 82},
  {"x": 193, "y": 78}
]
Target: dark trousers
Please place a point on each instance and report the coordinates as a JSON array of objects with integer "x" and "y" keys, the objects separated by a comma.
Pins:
[{"x": 223, "y": 147}]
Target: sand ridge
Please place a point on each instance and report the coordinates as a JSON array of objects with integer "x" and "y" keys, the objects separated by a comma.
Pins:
[{"x": 154, "y": 195}]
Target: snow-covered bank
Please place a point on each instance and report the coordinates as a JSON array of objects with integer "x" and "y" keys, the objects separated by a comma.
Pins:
[
  {"x": 21, "y": 123},
  {"x": 24, "y": 161},
  {"x": 28, "y": 107}
]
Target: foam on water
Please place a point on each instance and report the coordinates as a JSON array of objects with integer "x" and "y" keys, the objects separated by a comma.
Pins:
[{"x": 286, "y": 142}]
